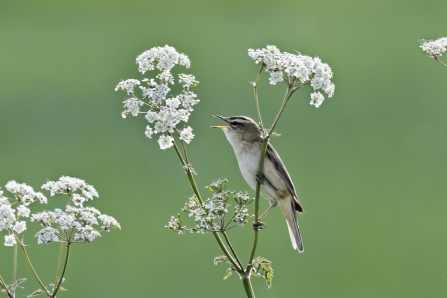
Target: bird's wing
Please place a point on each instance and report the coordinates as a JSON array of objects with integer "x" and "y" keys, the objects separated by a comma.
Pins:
[{"x": 274, "y": 158}]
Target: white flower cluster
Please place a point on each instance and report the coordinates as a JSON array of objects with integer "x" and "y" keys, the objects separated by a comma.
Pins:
[
  {"x": 298, "y": 68},
  {"x": 241, "y": 215},
  {"x": 175, "y": 224},
  {"x": 24, "y": 195},
  {"x": 73, "y": 224},
  {"x": 69, "y": 185},
  {"x": 165, "y": 113},
  {"x": 434, "y": 48},
  {"x": 210, "y": 215}
]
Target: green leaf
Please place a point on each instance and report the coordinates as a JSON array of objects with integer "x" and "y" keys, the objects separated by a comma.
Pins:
[
  {"x": 36, "y": 293},
  {"x": 228, "y": 273},
  {"x": 222, "y": 259},
  {"x": 262, "y": 268}
]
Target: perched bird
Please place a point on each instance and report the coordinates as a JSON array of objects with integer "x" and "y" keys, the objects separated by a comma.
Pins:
[{"x": 245, "y": 136}]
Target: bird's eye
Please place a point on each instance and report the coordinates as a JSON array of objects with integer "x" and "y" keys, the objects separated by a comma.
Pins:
[{"x": 234, "y": 123}]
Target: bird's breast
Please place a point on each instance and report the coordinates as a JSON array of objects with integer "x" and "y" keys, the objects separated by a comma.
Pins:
[{"x": 248, "y": 159}]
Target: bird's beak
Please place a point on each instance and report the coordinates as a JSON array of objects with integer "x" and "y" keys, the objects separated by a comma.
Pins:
[{"x": 220, "y": 117}]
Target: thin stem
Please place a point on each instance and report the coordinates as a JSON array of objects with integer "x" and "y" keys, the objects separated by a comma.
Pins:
[
  {"x": 59, "y": 262},
  {"x": 184, "y": 151},
  {"x": 283, "y": 105},
  {"x": 178, "y": 153},
  {"x": 258, "y": 192},
  {"x": 14, "y": 270},
  {"x": 256, "y": 97},
  {"x": 31, "y": 266},
  {"x": 232, "y": 250},
  {"x": 247, "y": 285},
  {"x": 227, "y": 253},
  {"x": 4, "y": 286},
  {"x": 264, "y": 145},
  {"x": 63, "y": 271},
  {"x": 436, "y": 58},
  {"x": 193, "y": 184}
]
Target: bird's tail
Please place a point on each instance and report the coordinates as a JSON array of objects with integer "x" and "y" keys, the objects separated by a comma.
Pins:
[{"x": 294, "y": 230}]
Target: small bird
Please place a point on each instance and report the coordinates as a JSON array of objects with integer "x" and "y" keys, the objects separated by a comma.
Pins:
[{"x": 245, "y": 136}]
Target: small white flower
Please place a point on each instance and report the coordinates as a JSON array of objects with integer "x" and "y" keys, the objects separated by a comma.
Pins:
[
  {"x": 69, "y": 185},
  {"x": 316, "y": 99},
  {"x": 434, "y": 48},
  {"x": 108, "y": 222},
  {"x": 186, "y": 134},
  {"x": 148, "y": 132},
  {"x": 165, "y": 142},
  {"x": 78, "y": 200},
  {"x": 44, "y": 218},
  {"x": 188, "y": 99},
  {"x": 23, "y": 211},
  {"x": 166, "y": 77},
  {"x": 151, "y": 116},
  {"x": 7, "y": 216},
  {"x": 187, "y": 81},
  {"x": 173, "y": 103},
  {"x": 88, "y": 218},
  {"x": 132, "y": 105},
  {"x": 42, "y": 199},
  {"x": 86, "y": 234},
  {"x": 167, "y": 57},
  {"x": 47, "y": 235},
  {"x": 24, "y": 193},
  {"x": 10, "y": 240},
  {"x": 19, "y": 227},
  {"x": 66, "y": 221},
  {"x": 127, "y": 86}
]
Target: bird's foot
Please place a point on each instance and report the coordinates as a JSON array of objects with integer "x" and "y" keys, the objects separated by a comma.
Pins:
[
  {"x": 260, "y": 178},
  {"x": 259, "y": 226}
]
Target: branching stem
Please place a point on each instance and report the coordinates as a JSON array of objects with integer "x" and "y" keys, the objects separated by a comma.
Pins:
[
  {"x": 193, "y": 184},
  {"x": 63, "y": 271},
  {"x": 31, "y": 266}
]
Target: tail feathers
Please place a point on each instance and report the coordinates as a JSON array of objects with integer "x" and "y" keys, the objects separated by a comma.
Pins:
[{"x": 294, "y": 230}]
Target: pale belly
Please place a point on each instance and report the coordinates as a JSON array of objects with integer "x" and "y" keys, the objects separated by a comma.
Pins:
[{"x": 249, "y": 166}]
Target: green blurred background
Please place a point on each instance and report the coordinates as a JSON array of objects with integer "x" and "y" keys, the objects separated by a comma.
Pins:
[{"x": 369, "y": 165}]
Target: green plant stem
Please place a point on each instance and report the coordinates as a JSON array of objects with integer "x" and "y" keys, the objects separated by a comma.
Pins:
[
  {"x": 247, "y": 285},
  {"x": 31, "y": 266},
  {"x": 59, "y": 261},
  {"x": 4, "y": 286},
  {"x": 14, "y": 270},
  {"x": 264, "y": 145},
  {"x": 193, "y": 184},
  {"x": 440, "y": 61},
  {"x": 63, "y": 271},
  {"x": 232, "y": 250},
  {"x": 255, "y": 89}
]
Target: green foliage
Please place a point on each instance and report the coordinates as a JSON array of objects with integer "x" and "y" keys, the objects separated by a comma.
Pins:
[{"x": 263, "y": 268}]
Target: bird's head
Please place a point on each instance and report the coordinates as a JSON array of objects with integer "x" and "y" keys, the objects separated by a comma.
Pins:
[{"x": 240, "y": 128}]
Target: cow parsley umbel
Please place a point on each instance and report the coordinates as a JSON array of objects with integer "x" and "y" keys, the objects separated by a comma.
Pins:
[
  {"x": 435, "y": 48},
  {"x": 165, "y": 112},
  {"x": 68, "y": 225},
  {"x": 210, "y": 215},
  {"x": 296, "y": 70}
]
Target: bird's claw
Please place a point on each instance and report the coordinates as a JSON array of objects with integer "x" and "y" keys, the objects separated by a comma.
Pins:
[
  {"x": 259, "y": 226},
  {"x": 260, "y": 178}
]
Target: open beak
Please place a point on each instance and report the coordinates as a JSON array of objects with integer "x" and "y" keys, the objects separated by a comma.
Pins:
[{"x": 220, "y": 117}]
